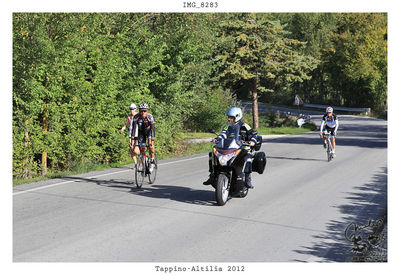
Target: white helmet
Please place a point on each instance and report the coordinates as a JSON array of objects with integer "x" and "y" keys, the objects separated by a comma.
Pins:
[
  {"x": 236, "y": 113},
  {"x": 133, "y": 106},
  {"x": 143, "y": 106},
  {"x": 329, "y": 110}
]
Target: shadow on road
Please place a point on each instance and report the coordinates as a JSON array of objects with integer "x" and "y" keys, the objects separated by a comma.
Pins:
[
  {"x": 287, "y": 158},
  {"x": 361, "y": 236},
  {"x": 97, "y": 181},
  {"x": 170, "y": 192},
  {"x": 177, "y": 193}
]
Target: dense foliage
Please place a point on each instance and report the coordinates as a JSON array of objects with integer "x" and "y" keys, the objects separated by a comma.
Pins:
[
  {"x": 352, "y": 50},
  {"x": 75, "y": 75}
]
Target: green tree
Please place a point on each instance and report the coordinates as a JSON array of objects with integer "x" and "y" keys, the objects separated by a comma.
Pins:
[
  {"x": 66, "y": 81},
  {"x": 352, "y": 49},
  {"x": 259, "y": 53},
  {"x": 358, "y": 62},
  {"x": 316, "y": 30}
]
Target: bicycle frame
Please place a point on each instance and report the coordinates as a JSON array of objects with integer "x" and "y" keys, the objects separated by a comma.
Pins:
[
  {"x": 143, "y": 149},
  {"x": 143, "y": 162},
  {"x": 329, "y": 145}
]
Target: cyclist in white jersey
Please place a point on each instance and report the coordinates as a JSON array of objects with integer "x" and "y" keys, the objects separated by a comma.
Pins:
[
  {"x": 329, "y": 123},
  {"x": 129, "y": 123}
]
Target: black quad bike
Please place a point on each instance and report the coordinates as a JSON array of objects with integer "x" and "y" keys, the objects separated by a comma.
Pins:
[{"x": 227, "y": 161}]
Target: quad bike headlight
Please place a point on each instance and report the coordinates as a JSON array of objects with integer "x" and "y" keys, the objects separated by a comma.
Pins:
[{"x": 223, "y": 159}]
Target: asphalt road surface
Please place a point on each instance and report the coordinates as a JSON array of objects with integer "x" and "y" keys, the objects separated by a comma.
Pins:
[{"x": 298, "y": 212}]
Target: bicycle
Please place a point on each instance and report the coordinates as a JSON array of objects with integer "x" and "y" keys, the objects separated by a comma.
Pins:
[
  {"x": 143, "y": 167},
  {"x": 328, "y": 145}
]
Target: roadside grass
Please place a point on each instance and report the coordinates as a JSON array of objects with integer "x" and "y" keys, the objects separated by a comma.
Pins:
[
  {"x": 195, "y": 135},
  {"x": 187, "y": 149},
  {"x": 287, "y": 130}
]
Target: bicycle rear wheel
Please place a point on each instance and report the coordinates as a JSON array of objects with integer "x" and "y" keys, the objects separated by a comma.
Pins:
[
  {"x": 140, "y": 173},
  {"x": 153, "y": 174}
]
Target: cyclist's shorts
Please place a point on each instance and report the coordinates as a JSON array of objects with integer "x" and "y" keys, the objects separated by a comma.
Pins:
[
  {"x": 330, "y": 130},
  {"x": 142, "y": 138}
]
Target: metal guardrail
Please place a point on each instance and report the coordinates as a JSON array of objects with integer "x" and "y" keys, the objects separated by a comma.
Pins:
[
  {"x": 356, "y": 110},
  {"x": 262, "y": 108}
]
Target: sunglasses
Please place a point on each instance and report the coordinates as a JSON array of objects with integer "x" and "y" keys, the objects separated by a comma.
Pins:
[{"x": 142, "y": 111}]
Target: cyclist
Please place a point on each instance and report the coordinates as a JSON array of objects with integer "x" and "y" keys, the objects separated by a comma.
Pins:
[
  {"x": 143, "y": 129},
  {"x": 329, "y": 123},
  {"x": 242, "y": 132},
  {"x": 129, "y": 120}
]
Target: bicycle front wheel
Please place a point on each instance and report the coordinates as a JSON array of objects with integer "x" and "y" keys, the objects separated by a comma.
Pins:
[
  {"x": 153, "y": 174},
  {"x": 140, "y": 173},
  {"x": 329, "y": 150}
]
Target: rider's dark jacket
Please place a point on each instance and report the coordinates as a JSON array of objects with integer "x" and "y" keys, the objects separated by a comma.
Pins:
[
  {"x": 240, "y": 131},
  {"x": 143, "y": 126}
]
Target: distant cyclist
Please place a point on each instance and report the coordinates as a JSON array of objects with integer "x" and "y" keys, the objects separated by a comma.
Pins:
[
  {"x": 128, "y": 123},
  {"x": 329, "y": 123},
  {"x": 143, "y": 130}
]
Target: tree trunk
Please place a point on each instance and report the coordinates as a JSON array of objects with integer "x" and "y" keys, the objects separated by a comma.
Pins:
[
  {"x": 44, "y": 163},
  {"x": 255, "y": 103},
  {"x": 44, "y": 153},
  {"x": 25, "y": 162}
]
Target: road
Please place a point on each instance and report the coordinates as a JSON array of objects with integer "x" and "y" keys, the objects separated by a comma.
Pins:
[{"x": 298, "y": 212}]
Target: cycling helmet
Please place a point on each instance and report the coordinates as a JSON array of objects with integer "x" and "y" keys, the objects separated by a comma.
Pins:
[
  {"x": 143, "y": 106},
  {"x": 329, "y": 110},
  {"x": 133, "y": 106},
  {"x": 236, "y": 113}
]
